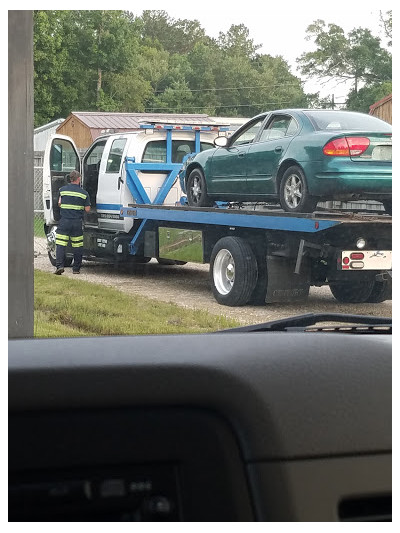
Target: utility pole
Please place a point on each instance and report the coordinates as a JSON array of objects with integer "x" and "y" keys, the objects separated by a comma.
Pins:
[{"x": 20, "y": 174}]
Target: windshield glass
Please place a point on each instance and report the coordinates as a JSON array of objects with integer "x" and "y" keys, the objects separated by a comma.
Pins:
[{"x": 180, "y": 236}]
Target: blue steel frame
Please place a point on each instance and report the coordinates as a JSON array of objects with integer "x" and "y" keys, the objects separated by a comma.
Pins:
[
  {"x": 220, "y": 217},
  {"x": 172, "y": 170}
]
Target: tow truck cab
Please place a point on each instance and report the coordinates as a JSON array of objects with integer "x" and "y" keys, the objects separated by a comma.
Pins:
[{"x": 104, "y": 173}]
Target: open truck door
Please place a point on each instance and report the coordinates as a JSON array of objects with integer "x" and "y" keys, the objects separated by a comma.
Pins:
[{"x": 60, "y": 158}]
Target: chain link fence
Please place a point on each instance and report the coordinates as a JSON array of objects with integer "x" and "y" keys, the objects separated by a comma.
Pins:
[{"x": 37, "y": 194}]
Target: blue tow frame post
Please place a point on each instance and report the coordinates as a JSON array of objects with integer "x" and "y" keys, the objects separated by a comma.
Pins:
[{"x": 172, "y": 169}]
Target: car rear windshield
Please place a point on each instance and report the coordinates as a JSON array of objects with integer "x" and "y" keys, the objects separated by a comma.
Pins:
[{"x": 345, "y": 120}]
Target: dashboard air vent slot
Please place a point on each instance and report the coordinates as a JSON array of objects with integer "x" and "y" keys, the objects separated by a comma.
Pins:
[{"x": 366, "y": 509}]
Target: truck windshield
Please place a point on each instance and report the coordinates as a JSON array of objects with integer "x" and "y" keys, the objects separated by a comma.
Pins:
[{"x": 156, "y": 151}]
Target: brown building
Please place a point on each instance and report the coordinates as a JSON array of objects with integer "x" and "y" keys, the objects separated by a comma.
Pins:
[
  {"x": 382, "y": 109},
  {"x": 84, "y": 127}
]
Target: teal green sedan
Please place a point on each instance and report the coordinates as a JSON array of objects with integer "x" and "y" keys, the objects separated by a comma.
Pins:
[{"x": 298, "y": 157}]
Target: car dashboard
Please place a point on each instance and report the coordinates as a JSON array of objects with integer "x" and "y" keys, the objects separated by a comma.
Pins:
[{"x": 234, "y": 426}]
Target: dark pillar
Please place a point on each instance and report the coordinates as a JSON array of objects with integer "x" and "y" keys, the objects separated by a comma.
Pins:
[{"x": 20, "y": 174}]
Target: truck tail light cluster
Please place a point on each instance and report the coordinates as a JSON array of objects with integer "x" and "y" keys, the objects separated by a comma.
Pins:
[
  {"x": 353, "y": 261},
  {"x": 346, "y": 146}
]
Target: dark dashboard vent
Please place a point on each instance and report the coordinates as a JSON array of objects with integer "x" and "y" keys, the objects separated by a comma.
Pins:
[{"x": 368, "y": 509}]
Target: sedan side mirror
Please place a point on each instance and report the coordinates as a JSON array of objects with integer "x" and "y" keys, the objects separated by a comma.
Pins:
[{"x": 221, "y": 141}]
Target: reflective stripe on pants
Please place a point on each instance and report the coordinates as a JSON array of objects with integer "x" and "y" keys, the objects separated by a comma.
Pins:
[{"x": 69, "y": 229}]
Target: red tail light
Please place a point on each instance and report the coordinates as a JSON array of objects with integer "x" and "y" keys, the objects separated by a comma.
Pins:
[
  {"x": 346, "y": 146},
  {"x": 357, "y": 255}
]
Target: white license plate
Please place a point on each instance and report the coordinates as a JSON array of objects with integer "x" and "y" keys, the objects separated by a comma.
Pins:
[
  {"x": 366, "y": 260},
  {"x": 382, "y": 153}
]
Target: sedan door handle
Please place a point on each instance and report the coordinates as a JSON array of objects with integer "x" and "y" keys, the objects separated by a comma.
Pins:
[
  {"x": 278, "y": 149},
  {"x": 241, "y": 154}
]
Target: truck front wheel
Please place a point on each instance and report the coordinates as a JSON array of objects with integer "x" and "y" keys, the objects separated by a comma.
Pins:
[
  {"x": 51, "y": 248},
  {"x": 233, "y": 271}
]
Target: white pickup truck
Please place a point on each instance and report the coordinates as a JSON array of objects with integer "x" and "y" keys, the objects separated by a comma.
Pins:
[{"x": 161, "y": 148}]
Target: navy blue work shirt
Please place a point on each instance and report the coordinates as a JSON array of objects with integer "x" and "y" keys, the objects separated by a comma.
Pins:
[{"x": 74, "y": 199}]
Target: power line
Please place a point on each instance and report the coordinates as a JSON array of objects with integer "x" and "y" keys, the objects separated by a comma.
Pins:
[
  {"x": 236, "y": 88},
  {"x": 218, "y": 106}
]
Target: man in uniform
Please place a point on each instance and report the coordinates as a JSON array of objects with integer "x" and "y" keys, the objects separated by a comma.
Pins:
[{"x": 73, "y": 202}]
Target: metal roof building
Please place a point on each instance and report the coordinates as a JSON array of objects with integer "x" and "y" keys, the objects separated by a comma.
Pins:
[{"x": 85, "y": 126}]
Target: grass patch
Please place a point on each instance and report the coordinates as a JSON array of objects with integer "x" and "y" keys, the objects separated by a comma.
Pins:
[
  {"x": 38, "y": 228},
  {"x": 67, "y": 307}
]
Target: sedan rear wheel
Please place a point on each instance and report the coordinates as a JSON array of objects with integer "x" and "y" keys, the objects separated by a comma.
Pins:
[
  {"x": 293, "y": 192},
  {"x": 197, "y": 190}
]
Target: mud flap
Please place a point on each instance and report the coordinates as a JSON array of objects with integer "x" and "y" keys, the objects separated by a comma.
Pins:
[{"x": 284, "y": 285}]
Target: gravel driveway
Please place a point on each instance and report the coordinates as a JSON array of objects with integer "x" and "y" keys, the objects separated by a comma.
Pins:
[{"x": 188, "y": 286}]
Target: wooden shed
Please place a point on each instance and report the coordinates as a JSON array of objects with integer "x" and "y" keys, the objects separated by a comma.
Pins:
[
  {"x": 382, "y": 109},
  {"x": 85, "y": 126}
]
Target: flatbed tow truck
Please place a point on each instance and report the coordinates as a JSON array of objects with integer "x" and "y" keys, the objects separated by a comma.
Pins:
[
  {"x": 257, "y": 254},
  {"x": 263, "y": 255}
]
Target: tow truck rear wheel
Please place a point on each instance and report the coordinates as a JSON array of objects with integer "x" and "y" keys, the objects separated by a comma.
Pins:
[
  {"x": 233, "y": 271},
  {"x": 381, "y": 291},
  {"x": 196, "y": 189},
  {"x": 387, "y": 204},
  {"x": 162, "y": 261},
  {"x": 351, "y": 292}
]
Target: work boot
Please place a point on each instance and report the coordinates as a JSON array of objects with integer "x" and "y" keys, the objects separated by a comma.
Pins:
[
  {"x": 76, "y": 272},
  {"x": 59, "y": 271}
]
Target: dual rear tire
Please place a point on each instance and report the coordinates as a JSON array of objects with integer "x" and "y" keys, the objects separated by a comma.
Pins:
[
  {"x": 371, "y": 291},
  {"x": 233, "y": 271}
]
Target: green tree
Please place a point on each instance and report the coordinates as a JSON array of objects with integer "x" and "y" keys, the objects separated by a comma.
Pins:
[
  {"x": 368, "y": 95},
  {"x": 103, "y": 41},
  {"x": 177, "y": 36},
  {"x": 358, "y": 56},
  {"x": 50, "y": 65},
  {"x": 87, "y": 60},
  {"x": 236, "y": 42},
  {"x": 386, "y": 23}
]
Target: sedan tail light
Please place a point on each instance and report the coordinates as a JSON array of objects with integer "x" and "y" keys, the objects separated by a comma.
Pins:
[{"x": 346, "y": 146}]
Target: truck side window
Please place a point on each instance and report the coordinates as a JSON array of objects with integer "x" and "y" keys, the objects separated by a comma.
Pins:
[
  {"x": 63, "y": 157},
  {"x": 115, "y": 155},
  {"x": 156, "y": 151},
  {"x": 91, "y": 166}
]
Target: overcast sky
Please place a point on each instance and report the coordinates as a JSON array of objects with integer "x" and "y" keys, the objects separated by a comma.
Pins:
[{"x": 278, "y": 26}]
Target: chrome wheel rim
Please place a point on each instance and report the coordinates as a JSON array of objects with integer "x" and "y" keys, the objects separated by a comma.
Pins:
[
  {"x": 224, "y": 272},
  {"x": 51, "y": 242},
  {"x": 293, "y": 191},
  {"x": 196, "y": 190}
]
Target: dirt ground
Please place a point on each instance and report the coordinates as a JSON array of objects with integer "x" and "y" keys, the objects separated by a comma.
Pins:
[{"x": 188, "y": 286}]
